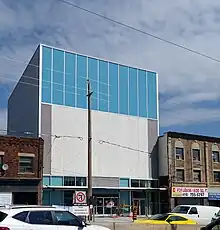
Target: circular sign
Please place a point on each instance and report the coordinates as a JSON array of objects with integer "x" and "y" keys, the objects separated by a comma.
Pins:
[{"x": 80, "y": 197}]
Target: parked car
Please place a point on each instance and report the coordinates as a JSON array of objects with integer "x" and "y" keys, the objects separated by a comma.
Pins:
[
  {"x": 200, "y": 213},
  {"x": 214, "y": 225},
  {"x": 217, "y": 215},
  {"x": 41, "y": 217},
  {"x": 167, "y": 218}
]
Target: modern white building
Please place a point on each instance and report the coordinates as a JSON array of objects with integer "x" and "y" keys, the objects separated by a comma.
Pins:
[{"x": 50, "y": 101}]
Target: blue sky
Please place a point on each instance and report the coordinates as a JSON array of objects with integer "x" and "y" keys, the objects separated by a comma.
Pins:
[{"x": 188, "y": 84}]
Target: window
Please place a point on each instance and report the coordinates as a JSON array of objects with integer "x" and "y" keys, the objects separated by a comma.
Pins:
[
  {"x": 80, "y": 181},
  {"x": 40, "y": 217},
  {"x": 179, "y": 153},
  {"x": 26, "y": 164},
  {"x": 135, "y": 183},
  {"x": 68, "y": 198},
  {"x": 197, "y": 175},
  {"x": 143, "y": 183},
  {"x": 152, "y": 95},
  {"x": 1, "y": 160},
  {"x": 216, "y": 176},
  {"x": 176, "y": 218},
  {"x": 196, "y": 154},
  {"x": 21, "y": 216},
  {"x": 180, "y": 174},
  {"x": 123, "y": 90},
  {"x": 3, "y": 216},
  {"x": 215, "y": 156},
  {"x": 159, "y": 217},
  {"x": 69, "y": 181},
  {"x": 1, "y": 163},
  {"x": 142, "y": 93},
  {"x": 181, "y": 209},
  {"x": 66, "y": 218},
  {"x": 193, "y": 210}
]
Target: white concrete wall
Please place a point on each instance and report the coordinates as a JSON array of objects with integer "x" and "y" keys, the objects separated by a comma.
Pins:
[{"x": 69, "y": 154}]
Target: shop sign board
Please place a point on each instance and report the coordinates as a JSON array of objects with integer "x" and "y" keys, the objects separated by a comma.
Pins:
[{"x": 189, "y": 192}]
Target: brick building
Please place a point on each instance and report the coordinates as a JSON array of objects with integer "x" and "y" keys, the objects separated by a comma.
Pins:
[
  {"x": 189, "y": 167},
  {"x": 21, "y": 165}
]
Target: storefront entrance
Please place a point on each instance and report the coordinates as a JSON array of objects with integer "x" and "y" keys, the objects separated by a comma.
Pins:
[
  {"x": 106, "y": 206},
  {"x": 140, "y": 204}
]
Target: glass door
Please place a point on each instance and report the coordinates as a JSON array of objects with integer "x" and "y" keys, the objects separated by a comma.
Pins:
[
  {"x": 140, "y": 205},
  {"x": 106, "y": 206}
]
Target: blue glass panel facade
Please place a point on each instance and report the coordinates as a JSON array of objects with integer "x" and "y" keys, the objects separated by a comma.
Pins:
[
  {"x": 123, "y": 89},
  {"x": 142, "y": 89},
  {"x": 46, "y": 85},
  {"x": 56, "y": 181},
  {"x": 70, "y": 89},
  {"x": 46, "y": 198},
  {"x": 125, "y": 198},
  {"x": 46, "y": 180},
  {"x": 124, "y": 182},
  {"x": 133, "y": 92},
  {"x": 116, "y": 88},
  {"x": 46, "y": 74},
  {"x": 57, "y": 197},
  {"x": 93, "y": 76},
  {"x": 81, "y": 81},
  {"x": 152, "y": 95},
  {"x": 58, "y": 77},
  {"x": 113, "y": 88},
  {"x": 103, "y": 86}
]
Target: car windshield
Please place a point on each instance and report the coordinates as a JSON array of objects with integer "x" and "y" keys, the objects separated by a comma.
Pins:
[
  {"x": 159, "y": 217},
  {"x": 181, "y": 209},
  {"x": 218, "y": 214}
]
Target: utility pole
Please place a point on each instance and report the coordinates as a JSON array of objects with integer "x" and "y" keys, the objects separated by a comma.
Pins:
[{"x": 89, "y": 94}]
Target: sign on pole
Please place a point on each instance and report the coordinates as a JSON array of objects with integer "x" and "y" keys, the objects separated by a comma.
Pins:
[
  {"x": 80, "y": 210},
  {"x": 80, "y": 197}
]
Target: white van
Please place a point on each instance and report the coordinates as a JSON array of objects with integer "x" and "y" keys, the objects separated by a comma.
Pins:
[{"x": 201, "y": 214}]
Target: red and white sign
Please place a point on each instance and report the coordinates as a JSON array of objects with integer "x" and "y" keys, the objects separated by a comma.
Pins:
[
  {"x": 189, "y": 192},
  {"x": 80, "y": 197},
  {"x": 110, "y": 204}
]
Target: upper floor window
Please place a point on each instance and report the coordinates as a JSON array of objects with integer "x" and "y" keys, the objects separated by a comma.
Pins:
[
  {"x": 196, "y": 175},
  {"x": 180, "y": 175},
  {"x": 80, "y": 181},
  {"x": 26, "y": 164},
  {"x": 143, "y": 183},
  {"x": 196, "y": 154},
  {"x": 69, "y": 181},
  {"x": 179, "y": 153},
  {"x": 216, "y": 175},
  {"x": 215, "y": 156}
]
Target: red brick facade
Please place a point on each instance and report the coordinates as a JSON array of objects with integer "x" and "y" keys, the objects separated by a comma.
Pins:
[
  {"x": 205, "y": 165},
  {"x": 11, "y": 148}
]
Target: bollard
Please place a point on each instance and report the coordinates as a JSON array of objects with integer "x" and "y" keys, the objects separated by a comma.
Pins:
[
  {"x": 114, "y": 226},
  {"x": 174, "y": 226}
]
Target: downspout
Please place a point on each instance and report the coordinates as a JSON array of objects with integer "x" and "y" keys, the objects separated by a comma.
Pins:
[{"x": 206, "y": 161}]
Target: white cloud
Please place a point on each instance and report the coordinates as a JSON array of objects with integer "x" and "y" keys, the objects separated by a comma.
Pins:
[
  {"x": 189, "y": 116},
  {"x": 188, "y": 77}
]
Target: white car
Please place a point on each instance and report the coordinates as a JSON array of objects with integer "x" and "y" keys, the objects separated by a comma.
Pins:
[{"x": 41, "y": 218}]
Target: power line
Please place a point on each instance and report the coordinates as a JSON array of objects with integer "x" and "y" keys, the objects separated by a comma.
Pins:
[
  {"x": 122, "y": 146},
  {"x": 54, "y": 83},
  {"x": 140, "y": 31},
  {"x": 51, "y": 70}
]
